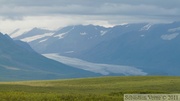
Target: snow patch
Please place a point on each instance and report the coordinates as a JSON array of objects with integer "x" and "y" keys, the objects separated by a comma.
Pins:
[
  {"x": 103, "y": 32},
  {"x": 169, "y": 36},
  {"x": 60, "y": 36},
  {"x": 83, "y": 33},
  {"x": 122, "y": 24},
  {"x": 146, "y": 27},
  {"x": 29, "y": 39},
  {"x": 43, "y": 40},
  {"x": 104, "y": 69},
  {"x": 174, "y": 29}
]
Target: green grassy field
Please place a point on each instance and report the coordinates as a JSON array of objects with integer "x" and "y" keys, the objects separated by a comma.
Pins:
[{"x": 88, "y": 89}]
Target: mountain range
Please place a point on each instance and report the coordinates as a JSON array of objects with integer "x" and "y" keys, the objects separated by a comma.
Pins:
[
  {"x": 151, "y": 47},
  {"x": 18, "y": 61}
]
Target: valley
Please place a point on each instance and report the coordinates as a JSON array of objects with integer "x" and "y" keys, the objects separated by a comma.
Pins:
[
  {"x": 152, "y": 48},
  {"x": 89, "y": 50}
]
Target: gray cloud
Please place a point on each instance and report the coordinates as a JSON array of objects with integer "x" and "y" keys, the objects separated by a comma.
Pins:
[{"x": 151, "y": 10}]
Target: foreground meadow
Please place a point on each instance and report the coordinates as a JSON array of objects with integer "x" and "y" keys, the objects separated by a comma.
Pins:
[{"x": 87, "y": 89}]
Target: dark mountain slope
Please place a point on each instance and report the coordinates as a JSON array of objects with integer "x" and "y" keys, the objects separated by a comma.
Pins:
[{"x": 19, "y": 62}]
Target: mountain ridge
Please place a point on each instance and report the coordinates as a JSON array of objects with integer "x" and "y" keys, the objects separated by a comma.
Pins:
[
  {"x": 152, "y": 47},
  {"x": 19, "y": 62}
]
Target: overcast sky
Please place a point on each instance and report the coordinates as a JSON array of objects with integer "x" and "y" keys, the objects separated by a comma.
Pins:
[{"x": 53, "y": 14}]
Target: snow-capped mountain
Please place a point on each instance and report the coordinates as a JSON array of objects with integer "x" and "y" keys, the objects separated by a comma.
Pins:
[
  {"x": 19, "y": 62},
  {"x": 73, "y": 40},
  {"x": 151, "y": 47},
  {"x": 68, "y": 40},
  {"x": 154, "y": 49}
]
